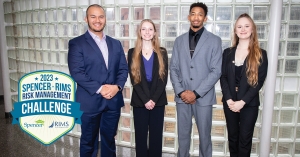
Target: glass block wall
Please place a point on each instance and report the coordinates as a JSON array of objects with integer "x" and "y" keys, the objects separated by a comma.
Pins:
[{"x": 38, "y": 31}]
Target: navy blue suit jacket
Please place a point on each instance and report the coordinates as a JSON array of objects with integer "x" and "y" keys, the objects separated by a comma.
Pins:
[{"x": 88, "y": 69}]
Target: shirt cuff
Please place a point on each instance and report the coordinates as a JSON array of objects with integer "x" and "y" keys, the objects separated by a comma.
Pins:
[
  {"x": 99, "y": 90},
  {"x": 179, "y": 94},
  {"x": 196, "y": 94}
]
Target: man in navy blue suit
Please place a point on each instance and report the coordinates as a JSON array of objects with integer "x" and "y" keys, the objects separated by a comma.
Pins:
[{"x": 98, "y": 65}]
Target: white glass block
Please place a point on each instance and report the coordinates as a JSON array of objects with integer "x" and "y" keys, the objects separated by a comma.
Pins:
[
  {"x": 125, "y": 136},
  {"x": 60, "y": 3},
  {"x": 154, "y": 1},
  {"x": 291, "y": 84},
  {"x": 293, "y": 49},
  {"x": 23, "y": 18},
  {"x": 135, "y": 28},
  {"x": 51, "y": 4},
  {"x": 124, "y": 30},
  {"x": 223, "y": 13},
  {"x": 282, "y": 31},
  {"x": 169, "y": 127},
  {"x": 31, "y": 43},
  {"x": 124, "y": 13},
  {"x": 260, "y": 13},
  {"x": 280, "y": 66},
  {"x": 45, "y": 43},
  {"x": 154, "y": 12},
  {"x": 261, "y": 31},
  {"x": 287, "y": 116},
  {"x": 19, "y": 43},
  {"x": 110, "y": 14},
  {"x": 75, "y": 30},
  {"x": 169, "y": 46},
  {"x": 294, "y": 31},
  {"x": 61, "y": 15},
  {"x": 261, "y": 1},
  {"x": 18, "y": 18},
  {"x": 30, "y": 30},
  {"x": 139, "y": 13},
  {"x": 218, "y": 115},
  {"x": 123, "y": 1},
  {"x": 71, "y": 3},
  {"x": 29, "y": 17},
  {"x": 218, "y": 131},
  {"x": 243, "y": 0},
  {"x": 35, "y": 17},
  {"x": 187, "y": 0},
  {"x": 291, "y": 66},
  {"x": 210, "y": 13},
  {"x": 81, "y": 14},
  {"x": 289, "y": 100},
  {"x": 53, "y": 44},
  {"x": 171, "y": 13},
  {"x": 24, "y": 31},
  {"x": 38, "y": 43},
  {"x": 184, "y": 27},
  {"x": 240, "y": 10},
  {"x": 226, "y": 44},
  {"x": 53, "y": 30},
  {"x": 218, "y": 146},
  {"x": 111, "y": 29},
  {"x": 223, "y": 30},
  {"x": 62, "y": 30},
  {"x": 125, "y": 122},
  {"x": 224, "y": 0},
  {"x": 185, "y": 12},
  {"x": 35, "y": 4},
  {"x": 28, "y": 5},
  {"x": 109, "y": 2},
  {"x": 169, "y": 1},
  {"x": 43, "y": 4},
  {"x": 157, "y": 26},
  {"x": 170, "y": 30},
  {"x": 169, "y": 142},
  {"x": 138, "y": 1},
  {"x": 207, "y": 0},
  {"x": 86, "y": 3},
  {"x": 295, "y": 0},
  {"x": 278, "y": 84},
  {"x": 16, "y": 6},
  {"x": 209, "y": 27},
  {"x": 284, "y": 12}
]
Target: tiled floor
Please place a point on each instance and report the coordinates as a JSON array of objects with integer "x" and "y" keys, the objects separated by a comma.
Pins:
[{"x": 15, "y": 143}]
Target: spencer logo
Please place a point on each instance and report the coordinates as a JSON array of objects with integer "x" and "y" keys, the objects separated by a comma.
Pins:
[
  {"x": 38, "y": 124},
  {"x": 56, "y": 124}
]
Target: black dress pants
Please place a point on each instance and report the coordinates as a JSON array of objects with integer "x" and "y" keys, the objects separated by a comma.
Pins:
[
  {"x": 240, "y": 127},
  {"x": 153, "y": 121}
]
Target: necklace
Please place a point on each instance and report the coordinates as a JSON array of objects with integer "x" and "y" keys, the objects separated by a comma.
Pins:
[{"x": 146, "y": 50}]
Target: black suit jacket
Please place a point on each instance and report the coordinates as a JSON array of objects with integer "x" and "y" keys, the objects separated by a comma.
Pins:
[
  {"x": 247, "y": 93},
  {"x": 141, "y": 94}
]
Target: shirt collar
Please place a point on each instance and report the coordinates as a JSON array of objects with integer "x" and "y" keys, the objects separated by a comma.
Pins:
[
  {"x": 191, "y": 32},
  {"x": 94, "y": 36}
]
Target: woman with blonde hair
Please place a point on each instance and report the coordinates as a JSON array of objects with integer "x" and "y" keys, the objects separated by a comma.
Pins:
[
  {"x": 244, "y": 69},
  {"x": 148, "y": 70}
]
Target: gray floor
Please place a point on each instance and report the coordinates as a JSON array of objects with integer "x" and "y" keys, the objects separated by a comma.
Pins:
[{"x": 16, "y": 143}]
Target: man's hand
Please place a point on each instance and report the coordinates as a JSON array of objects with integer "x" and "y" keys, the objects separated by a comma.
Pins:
[
  {"x": 188, "y": 97},
  {"x": 109, "y": 91}
]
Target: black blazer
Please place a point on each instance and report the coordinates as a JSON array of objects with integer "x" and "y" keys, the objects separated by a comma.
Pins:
[
  {"x": 157, "y": 93},
  {"x": 247, "y": 93}
]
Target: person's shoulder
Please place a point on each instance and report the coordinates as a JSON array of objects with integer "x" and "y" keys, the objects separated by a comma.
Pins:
[
  {"x": 112, "y": 39},
  {"x": 77, "y": 39},
  {"x": 212, "y": 35}
]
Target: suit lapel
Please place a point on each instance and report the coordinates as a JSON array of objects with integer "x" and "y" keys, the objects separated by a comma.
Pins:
[
  {"x": 186, "y": 45},
  {"x": 93, "y": 44},
  {"x": 201, "y": 42},
  {"x": 232, "y": 59},
  {"x": 110, "y": 52}
]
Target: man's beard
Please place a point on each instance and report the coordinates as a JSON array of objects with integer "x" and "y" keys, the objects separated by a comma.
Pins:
[{"x": 196, "y": 26}]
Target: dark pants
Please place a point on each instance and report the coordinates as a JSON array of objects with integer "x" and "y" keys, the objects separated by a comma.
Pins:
[
  {"x": 107, "y": 121},
  {"x": 153, "y": 120},
  {"x": 240, "y": 128}
]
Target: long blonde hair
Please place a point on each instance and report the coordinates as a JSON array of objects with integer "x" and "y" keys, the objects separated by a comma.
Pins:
[
  {"x": 254, "y": 55},
  {"x": 136, "y": 59}
]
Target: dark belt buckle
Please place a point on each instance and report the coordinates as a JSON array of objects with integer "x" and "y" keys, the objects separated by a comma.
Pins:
[{"x": 236, "y": 89}]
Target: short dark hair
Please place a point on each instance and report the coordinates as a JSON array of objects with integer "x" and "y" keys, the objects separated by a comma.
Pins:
[
  {"x": 199, "y": 4},
  {"x": 93, "y": 5}
]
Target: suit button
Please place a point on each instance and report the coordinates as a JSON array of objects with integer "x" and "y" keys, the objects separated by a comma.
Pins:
[
  {"x": 192, "y": 67},
  {"x": 191, "y": 78}
]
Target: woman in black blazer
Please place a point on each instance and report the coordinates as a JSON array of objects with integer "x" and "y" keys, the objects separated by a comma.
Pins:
[
  {"x": 148, "y": 70},
  {"x": 244, "y": 69}
]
